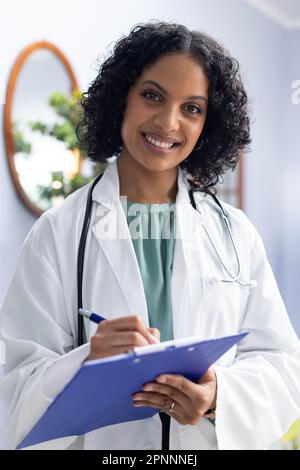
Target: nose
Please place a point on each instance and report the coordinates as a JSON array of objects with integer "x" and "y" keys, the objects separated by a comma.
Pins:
[{"x": 168, "y": 119}]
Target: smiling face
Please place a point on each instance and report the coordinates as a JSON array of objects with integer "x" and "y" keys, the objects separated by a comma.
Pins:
[{"x": 165, "y": 113}]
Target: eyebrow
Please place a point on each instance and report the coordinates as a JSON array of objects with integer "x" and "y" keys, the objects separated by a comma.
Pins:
[{"x": 195, "y": 97}]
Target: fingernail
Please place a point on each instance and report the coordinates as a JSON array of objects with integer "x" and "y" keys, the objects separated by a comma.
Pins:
[
  {"x": 148, "y": 387},
  {"x": 161, "y": 379},
  {"x": 152, "y": 338}
]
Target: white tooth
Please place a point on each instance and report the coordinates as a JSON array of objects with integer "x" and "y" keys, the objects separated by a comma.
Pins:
[{"x": 157, "y": 143}]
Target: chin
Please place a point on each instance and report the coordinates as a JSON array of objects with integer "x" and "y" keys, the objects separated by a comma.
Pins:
[{"x": 158, "y": 165}]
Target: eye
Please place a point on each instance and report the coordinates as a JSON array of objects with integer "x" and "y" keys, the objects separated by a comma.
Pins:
[
  {"x": 193, "y": 109},
  {"x": 150, "y": 95}
]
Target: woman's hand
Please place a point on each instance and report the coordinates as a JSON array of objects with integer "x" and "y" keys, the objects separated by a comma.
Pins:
[
  {"x": 191, "y": 400},
  {"x": 120, "y": 335}
]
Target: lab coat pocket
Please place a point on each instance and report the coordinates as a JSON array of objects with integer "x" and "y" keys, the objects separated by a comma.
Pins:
[{"x": 224, "y": 305}]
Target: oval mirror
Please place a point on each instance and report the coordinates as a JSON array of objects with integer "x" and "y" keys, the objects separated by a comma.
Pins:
[{"x": 43, "y": 157}]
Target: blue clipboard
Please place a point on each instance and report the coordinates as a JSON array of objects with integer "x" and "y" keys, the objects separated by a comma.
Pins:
[{"x": 100, "y": 393}]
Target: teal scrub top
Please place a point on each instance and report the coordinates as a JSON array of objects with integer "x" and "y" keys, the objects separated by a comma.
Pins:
[{"x": 152, "y": 230}]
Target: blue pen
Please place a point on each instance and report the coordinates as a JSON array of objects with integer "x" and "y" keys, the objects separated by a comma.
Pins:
[
  {"x": 91, "y": 315},
  {"x": 96, "y": 319}
]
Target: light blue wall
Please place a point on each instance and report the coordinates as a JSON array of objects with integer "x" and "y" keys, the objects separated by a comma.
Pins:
[
  {"x": 289, "y": 185},
  {"x": 84, "y": 28}
]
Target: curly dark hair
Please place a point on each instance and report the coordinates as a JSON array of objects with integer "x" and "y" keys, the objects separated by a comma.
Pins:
[{"x": 226, "y": 131}]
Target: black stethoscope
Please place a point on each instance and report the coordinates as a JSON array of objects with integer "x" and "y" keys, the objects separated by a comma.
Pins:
[{"x": 86, "y": 222}]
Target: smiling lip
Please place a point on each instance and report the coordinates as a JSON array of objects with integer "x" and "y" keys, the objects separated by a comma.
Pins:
[
  {"x": 155, "y": 149},
  {"x": 162, "y": 138}
]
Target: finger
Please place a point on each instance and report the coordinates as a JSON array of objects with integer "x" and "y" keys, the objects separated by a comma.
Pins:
[
  {"x": 155, "y": 332},
  {"x": 102, "y": 353},
  {"x": 177, "y": 413},
  {"x": 105, "y": 345},
  {"x": 174, "y": 415},
  {"x": 162, "y": 403},
  {"x": 124, "y": 340},
  {"x": 198, "y": 394},
  {"x": 171, "y": 392},
  {"x": 128, "y": 323},
  {"x": 154, "y": 400},
  {"x": 129, "y": 339},
  {"x": 185, "y": 386},
  {"x": 140, "y": 404}
]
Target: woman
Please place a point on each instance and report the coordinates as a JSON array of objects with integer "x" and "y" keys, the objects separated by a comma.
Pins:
[{"x": 170, "y": 105}]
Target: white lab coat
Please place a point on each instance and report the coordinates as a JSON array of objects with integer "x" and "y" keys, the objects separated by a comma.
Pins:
[{"x": 258, "y": 381}]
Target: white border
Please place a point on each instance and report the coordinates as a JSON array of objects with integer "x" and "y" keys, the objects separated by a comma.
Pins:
[{"x": 275, "y": 14}]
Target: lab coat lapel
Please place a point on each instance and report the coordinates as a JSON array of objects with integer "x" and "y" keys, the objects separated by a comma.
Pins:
[
  {"x": 111, "y": 226},
  {"x": 179, "y": 275},
  {"x": 188, "y": 266}
]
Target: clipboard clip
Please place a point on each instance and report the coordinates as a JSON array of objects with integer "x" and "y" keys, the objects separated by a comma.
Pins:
[{"x": 136, "y": 359}]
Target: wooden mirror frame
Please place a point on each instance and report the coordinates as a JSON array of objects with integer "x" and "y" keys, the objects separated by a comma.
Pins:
[
  {"x": 8, "y": 135},
  {"x": 239, "y": 191}
]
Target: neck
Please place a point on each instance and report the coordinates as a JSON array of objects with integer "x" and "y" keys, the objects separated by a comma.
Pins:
[{"x": 145, "y": 186}]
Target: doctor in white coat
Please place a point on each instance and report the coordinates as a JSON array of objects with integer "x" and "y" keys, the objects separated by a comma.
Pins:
[{"x": 172, "y": 134}]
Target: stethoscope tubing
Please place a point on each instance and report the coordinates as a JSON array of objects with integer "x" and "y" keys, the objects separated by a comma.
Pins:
[{"x": 83, "y": 237}]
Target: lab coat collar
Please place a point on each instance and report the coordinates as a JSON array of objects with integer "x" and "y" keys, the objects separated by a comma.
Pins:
[{"x": 107, "y": 189}]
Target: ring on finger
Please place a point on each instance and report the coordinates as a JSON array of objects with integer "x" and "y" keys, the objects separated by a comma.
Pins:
[{"x": 171, "y": 407}]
